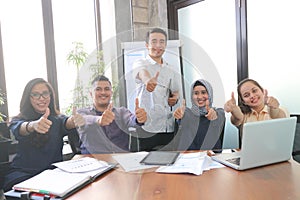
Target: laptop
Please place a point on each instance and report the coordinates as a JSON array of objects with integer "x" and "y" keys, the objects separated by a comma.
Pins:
[{"x": 264, "y": 142}]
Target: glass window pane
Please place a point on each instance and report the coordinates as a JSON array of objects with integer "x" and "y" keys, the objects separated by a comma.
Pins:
[
  {"x": 208, "y": 27},
  {"x": 23, "y": 47},
  {"x": 73, "y": 22},
  {"x": 273, "y": 43}
]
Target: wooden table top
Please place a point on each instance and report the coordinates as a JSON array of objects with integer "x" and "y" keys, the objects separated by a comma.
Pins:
[{"x": 276, "y": 181}]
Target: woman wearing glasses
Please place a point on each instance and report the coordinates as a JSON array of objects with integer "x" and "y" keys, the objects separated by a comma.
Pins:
[{"x": 39, "y": 129}]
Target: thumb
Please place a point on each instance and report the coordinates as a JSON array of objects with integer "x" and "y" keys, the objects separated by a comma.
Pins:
[
  {"x": 74, "y": 110},
  {"x": 183, "y": 105},
  {"x": 156, "y": 75},
  {"x": 232, "y": 96},
  {"x": 207, "y": 105},
  {"x": 110, "y": 106},
  {"x": 136, "y": 103},
  {"x": 265, "y": 95},
  {"x": 47, "y": 113}
]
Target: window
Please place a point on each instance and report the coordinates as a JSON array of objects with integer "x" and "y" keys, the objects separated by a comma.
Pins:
[
  {"x": 74, "y": 21},
  {"x": 23, "y": 47}
]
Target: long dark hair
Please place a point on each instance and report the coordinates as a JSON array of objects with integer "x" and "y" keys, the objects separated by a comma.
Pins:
[
  {"x": 245, "y": 108},
  {"x": 28, "y": 113},
  {"x": 26, "y": 109}
]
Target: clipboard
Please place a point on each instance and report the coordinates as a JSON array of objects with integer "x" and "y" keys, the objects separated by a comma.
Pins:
[{"x": 160, "y": 158}]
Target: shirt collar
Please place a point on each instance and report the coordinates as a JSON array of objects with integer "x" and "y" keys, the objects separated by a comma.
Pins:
[
  {"x": 153, "y": 62},
  {"x": 264, "y": 110}
]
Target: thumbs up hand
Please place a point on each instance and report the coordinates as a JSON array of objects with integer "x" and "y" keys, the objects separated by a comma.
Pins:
[
  {"x": 211, "y": 113},
  {"x": 179, "y": 112},
  {"x": 77, "y": 118},
  {"x": 230, "y": 104},
  {"x": 43, "y": 124},
  {"x": 271, "y": 102},
  {"x": 140, "y": 113},
  {"x": 152, "y": 83},
  {"x": 107, "y": 117}
]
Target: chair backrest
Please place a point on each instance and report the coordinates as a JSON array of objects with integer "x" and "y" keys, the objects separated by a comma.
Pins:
[
  {"x": 74, "y": 141},
  {"x": 4, "y": 130},
  {"x": 296, "y": 147},
  {"x": 231, "y": 135}
]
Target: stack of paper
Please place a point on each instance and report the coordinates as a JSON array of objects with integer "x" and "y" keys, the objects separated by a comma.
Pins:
[{"x": 194, "y": 163}]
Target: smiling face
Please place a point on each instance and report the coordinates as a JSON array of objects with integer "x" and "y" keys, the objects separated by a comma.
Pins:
[
  {"x": 200, "y": 95},
  {"x": 156, "y": 46},
  {"x": 252, "y": 95},
  {"x": 40, "y": 97},
  {"x": 101, "y": 94}
]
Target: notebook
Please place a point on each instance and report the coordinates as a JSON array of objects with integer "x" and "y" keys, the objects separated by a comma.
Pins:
[
  {"x": 264, "y": 142},
  {"x": 69, "y": 177}
]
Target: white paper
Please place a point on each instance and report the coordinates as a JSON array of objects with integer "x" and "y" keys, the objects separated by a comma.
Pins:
[
  {"x": 131, "y": 161},
  {"x": 194, "y": 163},
  {"x": 81, "y": 165}
]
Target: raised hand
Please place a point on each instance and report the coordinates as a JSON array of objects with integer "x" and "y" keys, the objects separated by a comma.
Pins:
[
  {"x": 270, "y": 101},
  {"x": 230, "y": 104},
  {"x": 152, "y": 83},
  {"x": 78, "y": 119},
  {"x": 179, "y": 112},
  {"x": 43, "y": 124},
  {"x": 140, "y": 113},
  {"x": 107, "y": 117},
  {"x": 211, "y": 113}
]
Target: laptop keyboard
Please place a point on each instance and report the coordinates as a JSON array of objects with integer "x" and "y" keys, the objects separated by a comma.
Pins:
[{"x": 235, "y": 161}]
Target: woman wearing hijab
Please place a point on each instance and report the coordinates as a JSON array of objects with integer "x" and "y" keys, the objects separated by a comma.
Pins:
[{"x": 201, "y": 126}]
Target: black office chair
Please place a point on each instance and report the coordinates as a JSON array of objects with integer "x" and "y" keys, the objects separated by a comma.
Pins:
[
  {"x": 296, "y": 147},
  {"x": 74, "y": 142},
  {"x": 5, "y": 142}
]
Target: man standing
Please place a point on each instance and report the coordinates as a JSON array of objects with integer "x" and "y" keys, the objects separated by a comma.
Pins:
[
  {"x": 106, "y": 127},
  {"x": 159, "y": 86}
]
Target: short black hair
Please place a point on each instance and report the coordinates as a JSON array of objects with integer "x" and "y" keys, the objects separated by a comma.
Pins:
[
  {"x": 100, "y": 78},
  {"x": 155, "y": 30}
]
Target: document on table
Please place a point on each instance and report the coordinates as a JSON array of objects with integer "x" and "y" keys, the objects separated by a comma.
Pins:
[
  {"x": 131, "y": 161},
  {"x": 194, "y": 163},
  {"x": 81, "y": 165}
]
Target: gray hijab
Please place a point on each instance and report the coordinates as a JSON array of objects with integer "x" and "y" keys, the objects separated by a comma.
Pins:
[{"x": 200, "y": 111}]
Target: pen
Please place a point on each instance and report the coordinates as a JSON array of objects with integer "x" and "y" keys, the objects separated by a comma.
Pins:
[{"x": 33, "y": 190}]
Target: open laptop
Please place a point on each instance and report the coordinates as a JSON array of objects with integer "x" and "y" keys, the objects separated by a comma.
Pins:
[{"x": 263, "y": 143}]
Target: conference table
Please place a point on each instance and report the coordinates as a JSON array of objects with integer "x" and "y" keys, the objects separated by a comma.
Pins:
[{"x": 277, "y": 181}]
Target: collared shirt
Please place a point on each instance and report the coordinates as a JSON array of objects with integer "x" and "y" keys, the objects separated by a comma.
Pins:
[
  {"x": 255, "y": 116},
  {"x": 106, "y": 139},
  {"x": 160, "y": 114},
  {"x": 264, "y": 114}
]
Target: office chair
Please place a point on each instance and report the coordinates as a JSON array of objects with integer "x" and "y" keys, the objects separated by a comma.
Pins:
[
  {"x": 296, "y": 147},
  {"x": 74, "y": 141},
  {"x": 5, "y": 142}
]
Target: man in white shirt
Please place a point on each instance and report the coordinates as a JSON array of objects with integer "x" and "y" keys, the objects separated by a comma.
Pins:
[{"x": 159, "y": 86}]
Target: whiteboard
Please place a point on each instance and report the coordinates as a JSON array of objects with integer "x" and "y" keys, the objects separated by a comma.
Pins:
[{"x": 133, "y": 51}]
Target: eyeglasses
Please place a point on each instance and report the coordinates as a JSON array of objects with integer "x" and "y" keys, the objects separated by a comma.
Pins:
[{"x": 36, "y": 96}]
